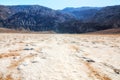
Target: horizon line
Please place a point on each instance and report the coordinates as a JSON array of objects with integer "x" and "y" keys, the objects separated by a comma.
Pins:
[{"x": 54, "y": 8}]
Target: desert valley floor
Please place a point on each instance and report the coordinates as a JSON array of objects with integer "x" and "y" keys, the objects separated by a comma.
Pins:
[{"x": 59, "y": 57}]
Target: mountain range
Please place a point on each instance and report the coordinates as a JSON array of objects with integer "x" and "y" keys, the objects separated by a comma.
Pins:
[{"x": 68, "y": 20}]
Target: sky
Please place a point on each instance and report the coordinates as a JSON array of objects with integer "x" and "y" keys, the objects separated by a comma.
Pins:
[{"x": 60, "y": 4}]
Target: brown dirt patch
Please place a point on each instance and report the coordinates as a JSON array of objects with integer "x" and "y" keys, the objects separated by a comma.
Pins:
[
  {"x": 95, "y": 73},
  {"x": 16, "y": 63},
  {"x": 6, "y": 55}
]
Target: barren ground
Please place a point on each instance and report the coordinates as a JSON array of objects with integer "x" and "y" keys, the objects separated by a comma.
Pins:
[{"x": 59, "y": 57}]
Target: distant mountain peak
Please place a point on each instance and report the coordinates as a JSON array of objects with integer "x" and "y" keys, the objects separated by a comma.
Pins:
[{"x": 70, "y": 9}]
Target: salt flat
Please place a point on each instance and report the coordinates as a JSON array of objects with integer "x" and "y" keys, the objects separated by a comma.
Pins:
[{"x": 59, "y": 57}]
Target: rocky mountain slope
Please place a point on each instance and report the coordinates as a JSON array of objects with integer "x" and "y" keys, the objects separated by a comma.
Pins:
[
  {"x": 36, "y": 18},
  {"x": 104, "y": 18},
  {"x": 69, "y": 20},
  {"x": 108, "y": 15}
]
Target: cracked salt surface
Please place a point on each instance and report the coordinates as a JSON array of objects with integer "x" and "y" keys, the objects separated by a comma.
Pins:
[{"x": 59, "y": 57}]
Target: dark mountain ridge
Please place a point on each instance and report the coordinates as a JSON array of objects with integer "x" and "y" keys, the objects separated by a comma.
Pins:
[
  {"x": 36, "y": 18},
  {"x": 108, "y": 15},
  {"x": 68, "y": 20}
]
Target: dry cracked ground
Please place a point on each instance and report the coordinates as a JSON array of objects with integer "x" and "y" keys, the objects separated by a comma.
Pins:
[{"x": 59, "y": 57}]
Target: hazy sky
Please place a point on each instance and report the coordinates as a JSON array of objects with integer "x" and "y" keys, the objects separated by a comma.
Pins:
[{"x": 59, "y": 4}]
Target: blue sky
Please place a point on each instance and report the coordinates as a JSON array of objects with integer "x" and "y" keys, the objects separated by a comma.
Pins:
[{"x": 60, "y": 4}]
